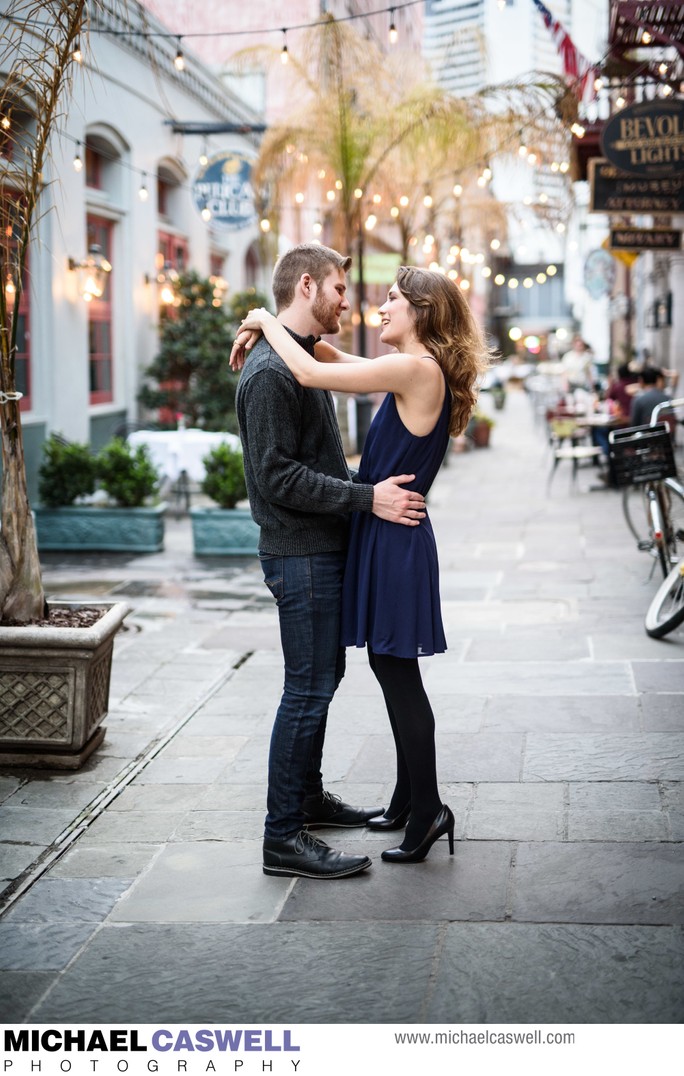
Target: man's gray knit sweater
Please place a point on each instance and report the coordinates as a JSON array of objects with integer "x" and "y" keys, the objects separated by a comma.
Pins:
[{"x": 299, "y": 487}]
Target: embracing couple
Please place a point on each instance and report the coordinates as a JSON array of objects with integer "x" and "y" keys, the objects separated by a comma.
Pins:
[{"x": 351, "y": 561}]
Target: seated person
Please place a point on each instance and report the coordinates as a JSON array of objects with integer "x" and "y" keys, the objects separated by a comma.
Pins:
[
  {"x": 652, "y": 381},
  {"x": 621, "y": 390}
]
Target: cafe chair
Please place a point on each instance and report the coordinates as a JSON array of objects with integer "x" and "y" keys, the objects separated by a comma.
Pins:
[{"x": 569, "y": 442}]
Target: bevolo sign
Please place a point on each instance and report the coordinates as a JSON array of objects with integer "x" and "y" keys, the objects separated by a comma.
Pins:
[{"x": 646, "y": 139}]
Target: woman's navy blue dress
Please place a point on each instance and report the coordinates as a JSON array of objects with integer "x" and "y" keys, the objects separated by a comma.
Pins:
[{"x": 390, "y": 596}]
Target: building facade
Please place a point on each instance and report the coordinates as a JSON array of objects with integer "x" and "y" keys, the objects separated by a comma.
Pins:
[{"x": 120, "y": 189}]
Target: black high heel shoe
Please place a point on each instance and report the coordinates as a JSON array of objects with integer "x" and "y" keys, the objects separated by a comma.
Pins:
[
  {"x": 443, "y": 823},
  {"x": 385, "y": 822}
]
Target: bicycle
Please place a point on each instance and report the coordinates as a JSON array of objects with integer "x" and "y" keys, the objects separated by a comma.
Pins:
[
  {"x": 666, "y": 611},
  {"x": 643, "y": 465}
]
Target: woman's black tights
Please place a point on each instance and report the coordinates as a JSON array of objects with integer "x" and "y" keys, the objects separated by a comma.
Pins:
[{"x": 413, "y": 727}]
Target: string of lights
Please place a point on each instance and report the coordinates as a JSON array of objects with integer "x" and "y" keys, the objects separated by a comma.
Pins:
[{"x": 464, "y": 257}]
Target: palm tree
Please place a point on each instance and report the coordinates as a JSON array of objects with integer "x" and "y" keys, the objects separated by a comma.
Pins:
[
  {"x": 36, "y": 58},
  {"x": 374, "y": 123}
]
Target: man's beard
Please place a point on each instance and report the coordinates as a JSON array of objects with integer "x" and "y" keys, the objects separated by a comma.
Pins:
[{"x": 325, "y": 314}]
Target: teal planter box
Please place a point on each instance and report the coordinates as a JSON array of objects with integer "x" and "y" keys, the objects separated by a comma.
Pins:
[
  {"x": 224, "y": 531},
  {"x": 110, "y": 530}
]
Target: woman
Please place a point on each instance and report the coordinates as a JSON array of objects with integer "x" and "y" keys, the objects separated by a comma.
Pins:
[{"x": 391, "y": 588}]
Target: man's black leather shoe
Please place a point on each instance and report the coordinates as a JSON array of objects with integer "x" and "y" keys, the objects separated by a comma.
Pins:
[
  {"x": 329, "y": 810},
  {"x": 304, "y": 856}
]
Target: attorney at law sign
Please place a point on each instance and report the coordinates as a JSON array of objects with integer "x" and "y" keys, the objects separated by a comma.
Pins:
[
  {"x": 224, "y": 187},
  {"x": 646, "y": 139}
]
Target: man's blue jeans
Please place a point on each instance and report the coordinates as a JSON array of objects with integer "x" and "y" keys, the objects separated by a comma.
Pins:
[{"x": 308, "y": 592}]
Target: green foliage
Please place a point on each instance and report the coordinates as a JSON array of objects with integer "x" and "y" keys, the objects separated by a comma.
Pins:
[
  {"x": 191, "y": 374},
  {"x": 67, "y": 471},
  {"x": 126, "y": 474},
  {"x": 224, "y": 480}
]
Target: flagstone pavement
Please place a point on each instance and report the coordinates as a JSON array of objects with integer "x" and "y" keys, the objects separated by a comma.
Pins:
[{"x": 133, "y": 889}]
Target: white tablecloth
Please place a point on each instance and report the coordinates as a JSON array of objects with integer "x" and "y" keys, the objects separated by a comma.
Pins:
[{"x": 174, "y": 451}]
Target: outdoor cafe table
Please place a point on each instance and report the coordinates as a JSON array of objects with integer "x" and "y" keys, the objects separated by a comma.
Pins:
[{"x": 178, "y": 454}]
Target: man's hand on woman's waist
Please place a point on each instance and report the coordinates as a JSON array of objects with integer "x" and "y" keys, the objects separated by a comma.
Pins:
[{"x": 398, "y": 505}]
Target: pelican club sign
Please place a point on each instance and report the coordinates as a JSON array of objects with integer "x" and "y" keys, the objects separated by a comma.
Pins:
[
  {"x": 223, "y": 186},
  {"x": 646, "y": 139}
]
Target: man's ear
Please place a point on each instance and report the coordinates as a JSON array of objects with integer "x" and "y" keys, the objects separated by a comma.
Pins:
[{"x": 306, "y": 283}]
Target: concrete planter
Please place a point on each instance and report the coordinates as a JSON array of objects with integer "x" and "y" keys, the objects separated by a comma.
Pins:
[
  {"x": 54, "y": 690},
  {"x": 224, "y": 531},
  {"x": 111, "y": 530}
]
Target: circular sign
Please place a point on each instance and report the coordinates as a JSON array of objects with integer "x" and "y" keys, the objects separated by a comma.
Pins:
[
  {"x": 646, "y": 139},
  {"x": 222, "y": 191},
  {"x": 599, "y": 273}
]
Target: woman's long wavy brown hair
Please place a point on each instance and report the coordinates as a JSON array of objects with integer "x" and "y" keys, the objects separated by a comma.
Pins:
[{"x": 444, "y": 323}]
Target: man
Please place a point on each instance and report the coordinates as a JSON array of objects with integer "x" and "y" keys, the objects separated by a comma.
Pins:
[
  {"x": 301, "y": 494},
  {"x": 652, "y": 382}
]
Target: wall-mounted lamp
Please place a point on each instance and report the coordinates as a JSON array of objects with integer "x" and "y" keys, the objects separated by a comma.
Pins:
[
  {"x": 92, "y": 273},
  {"x": 167, "y": 279},
  {"x": 10, "y": 292}
]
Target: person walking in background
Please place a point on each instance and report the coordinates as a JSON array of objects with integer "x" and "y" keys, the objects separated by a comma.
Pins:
[
  {"x": 301, "y": 493},
  {"x": 578, "y": 366},
  {"x": 391, "y": 600}
]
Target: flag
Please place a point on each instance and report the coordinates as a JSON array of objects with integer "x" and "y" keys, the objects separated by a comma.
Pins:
[{"x": 577, "y": 69}]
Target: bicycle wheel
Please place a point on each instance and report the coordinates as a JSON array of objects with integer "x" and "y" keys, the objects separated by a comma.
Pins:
[
  {"x": 635, "y": 510},
  {"x": 666, "y": 611},
  {"x": 672, "y": 499}
]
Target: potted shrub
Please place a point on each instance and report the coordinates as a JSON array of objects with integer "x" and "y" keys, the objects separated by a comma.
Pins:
[
  {"x": 124, "y": 522},
  {"x": 479, "y": 428},
  {"x": 224, "y": 529},
  {"x": 55, "y": 660}
]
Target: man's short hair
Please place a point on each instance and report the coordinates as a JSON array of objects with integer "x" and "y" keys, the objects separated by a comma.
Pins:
[
  {"x": 312, "y": 258},
  {"x": 650, "y": 375}
]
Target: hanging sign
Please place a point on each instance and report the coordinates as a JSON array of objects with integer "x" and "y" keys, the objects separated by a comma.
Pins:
[
  {"x": 627, "y": 238},
  {"x": 599, "y": 273},
  {"x": 646, "y": 139},
  {"x": 223, "y": 188},
  {"x": 612, "y": 191}
]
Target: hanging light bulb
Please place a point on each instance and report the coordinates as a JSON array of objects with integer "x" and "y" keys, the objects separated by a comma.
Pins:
[
  {"x": 393, "y": 33},
  {"x": 621, "y": 102},
  {"x": 458, "y": 190},
  {"x": 598, "y": 84},
  {"x": 299, "y": 197},
  {"x": 403, "y": 201},
  {"x": 77, "y": 54},
  {"x": 646, "y": 38},
  {"x": 179, "y": 62},
  {"x": 143, "y": 193},
  {"x": 578, "y": 130},
  {"x": 427, "y": 201},
  {"x": 78, "y": 160},
  {"x": 203, "y": 158},
  {"x": 265, "y": 225},
  {"x": 358, "y": 193},
  {"x": 662, "y": 69},
  {"x": 206, "y": 213},
  {"x": 317, "y": 227},
  {"x": 5, "y": 123},
  {"x": 284, "y": 55}
]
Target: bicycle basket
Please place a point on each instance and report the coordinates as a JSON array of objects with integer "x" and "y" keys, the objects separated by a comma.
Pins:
[{"x": 641, "y": 454}]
